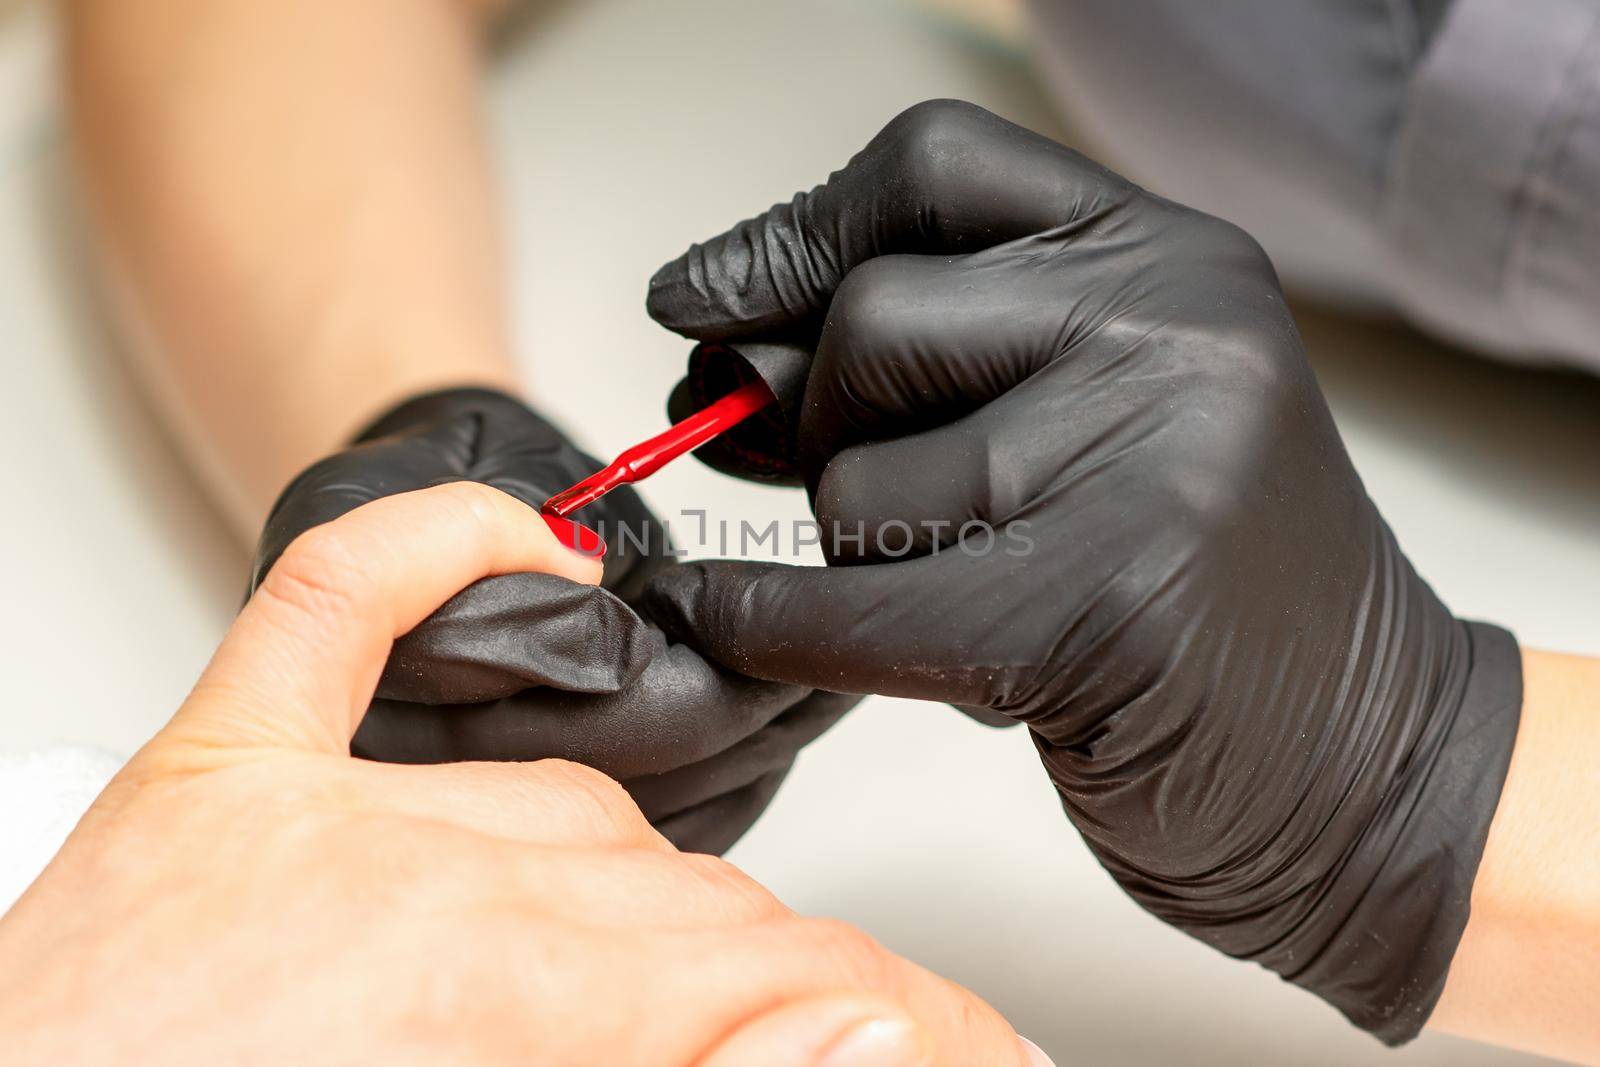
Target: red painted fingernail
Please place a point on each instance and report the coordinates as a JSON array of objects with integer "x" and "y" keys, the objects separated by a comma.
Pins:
[{"x": 576, "y": 536}]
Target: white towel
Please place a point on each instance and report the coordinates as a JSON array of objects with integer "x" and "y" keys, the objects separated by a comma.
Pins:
[{"x": 42, "y": 797}]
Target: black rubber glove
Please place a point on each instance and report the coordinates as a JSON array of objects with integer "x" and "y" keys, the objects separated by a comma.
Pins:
[
  {"x": 1264, "y": 723},
  {"x": 528, "y": 666}
]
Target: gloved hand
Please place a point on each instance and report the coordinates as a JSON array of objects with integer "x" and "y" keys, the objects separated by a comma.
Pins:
[
  {"x": 528, "y": 666},
  {"x": 1266, "y": 726}
]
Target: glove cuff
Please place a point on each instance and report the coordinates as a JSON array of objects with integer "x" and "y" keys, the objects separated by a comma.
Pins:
[
  {"x": 1386, "y": 967},
  {"x": 442, "y": 403}
]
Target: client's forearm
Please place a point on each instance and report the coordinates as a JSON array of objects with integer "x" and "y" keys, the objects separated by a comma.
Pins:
[
  {"x": 1528, "y": 968},
  {"x": 294, "y": 204}
]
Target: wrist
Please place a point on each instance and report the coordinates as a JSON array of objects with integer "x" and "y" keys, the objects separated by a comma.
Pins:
[
  {"x": 328, "y": 414},
  {"x": 1529, "y": 960},
  {"x": 37, "y": 1010}
]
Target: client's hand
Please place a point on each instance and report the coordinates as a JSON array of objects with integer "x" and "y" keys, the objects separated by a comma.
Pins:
[
  {"x": 246, "y": 892},
  {"x": 528, "y": 666},
  {"x": 1089, "y": 481}
]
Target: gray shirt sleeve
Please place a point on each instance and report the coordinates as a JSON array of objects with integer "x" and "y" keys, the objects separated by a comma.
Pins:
[
  {"x": 1493, "y": 205},
  {"x": 1439, "y": 160}
]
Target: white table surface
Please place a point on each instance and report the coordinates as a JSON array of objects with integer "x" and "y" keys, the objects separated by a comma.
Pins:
[{"x": 626, "y": 129}]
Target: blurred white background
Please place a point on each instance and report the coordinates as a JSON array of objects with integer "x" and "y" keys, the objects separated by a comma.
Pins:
[{"x": 626, "y": 129}]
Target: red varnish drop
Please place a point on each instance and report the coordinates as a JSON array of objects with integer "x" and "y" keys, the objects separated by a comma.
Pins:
[{"x": 576, "y": 536}]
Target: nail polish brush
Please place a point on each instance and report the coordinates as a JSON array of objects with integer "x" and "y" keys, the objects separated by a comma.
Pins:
[{"x": 645, "y": 458}]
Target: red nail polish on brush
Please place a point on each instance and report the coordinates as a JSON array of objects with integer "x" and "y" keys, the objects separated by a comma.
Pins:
[{"x": 647, "y": 457}]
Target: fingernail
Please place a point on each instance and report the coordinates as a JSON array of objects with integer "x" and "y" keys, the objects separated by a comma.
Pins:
[
  {"x": 878, "y": 1043},
  {"x": 1036, "y": 1056},
  {"x": 576, "y": 536}
]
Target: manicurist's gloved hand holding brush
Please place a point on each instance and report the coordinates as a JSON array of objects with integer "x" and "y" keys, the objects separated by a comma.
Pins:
[{"x": 1268, "y": 727}]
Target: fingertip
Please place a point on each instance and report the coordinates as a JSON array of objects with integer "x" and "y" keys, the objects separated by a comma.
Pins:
[
  {"x": 664, "y": 297},
  {"x": 718, "y": 290},
  {"x": 578, "y": 552},
  {"x": 585, "y": 569},
  {"x": 739, "y": 613},
  {"x": 516, "y": 537},
  {"x": 673, "y": 598}
]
